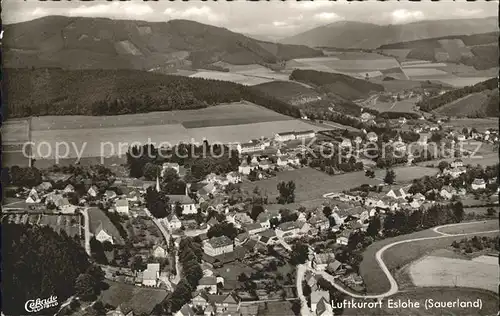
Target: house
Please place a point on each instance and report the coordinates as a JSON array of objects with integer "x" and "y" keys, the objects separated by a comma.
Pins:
[
  {"x": 343, "y": 238},
  {"x": 174, "y": 222},
  {"x": 287, "y": 159},
  {"x": 225, "y": 305},
  {"x": 241, "y": 239},
  {"x": 121, "y": 206},
  {"x": 419, "y": 197},
  {"x": 121, "y": 311},
  {"x": 151, "y": 274},
  {"x": 319, "y": 222},
  {"x": 372, "y": 137},
  {"x": 69, "y": 189},
  {"x": 66, "y": 207},
  {"x": 159, "y": 252},
  {"x": 186, "y": 203},
  {"x": 333, "y": 267},
  {"x": 233, "y": 177},
  {"x": 101, "y": 235},
  {"x": 324, "y": 308},
  {"x": 250, "y": 147},
  {"x": 44, "y": 186},
  {"x": 245, "y": 168},
  {"x": 305, "y": 134},
  {"x": 455, "y": 172},
  {"x": 447, "y": 192},
  {"x": 33, "y": 196},
  {"x": 365, "y": 117},
  {"x": 478, "y": 184},
  {"x": 93, "y": 191},
  {"x": 283, "y": 137},
  {"x": 317, "y": 296},
  {"x": 218, "y": 246},
  {"x": 169, "y": 165},
  {"x": 461, "y": 137},
  {"x": 287, "y": 229},
  {"x": 255, "y": 228},
  {"x": 209, "y": 283},
  {"x": 206, "y": 190},
  {"x": 358, "y": 140},
  {"x": 201, "y": 300},
  {"x": 265, "y": 164},
  {"x": 457, "y": 163},
  {"x": 346, "y": 143},
  {"x": 268, "y": 237},
  {"x": 109, "y": 194},
  {"x": 398, "y": 194},
  {"x": 241, "y": 219},
  {"x": 185, "y": 310},
  {"x": 320, "y": 261}
]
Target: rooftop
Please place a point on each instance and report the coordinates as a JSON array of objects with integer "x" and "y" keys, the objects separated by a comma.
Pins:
[{"x": 221, "y": 241}]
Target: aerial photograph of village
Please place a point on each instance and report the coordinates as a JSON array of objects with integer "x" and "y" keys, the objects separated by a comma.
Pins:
[{"x": 239, "y": 158}]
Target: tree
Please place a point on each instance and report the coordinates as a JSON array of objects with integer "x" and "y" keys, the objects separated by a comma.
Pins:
[
  {"x": 85, "y": 287},
  {"x": 443, "y": 165},
  {"x": 374, "y": 226},
  {"x": 137, "y": 264},
  {"x": 223, "y": 229},
  {"x": 490, "y": 211},
  {"x": 151, "y": 171},
  {"x": 327, "y": 211},
  {"x": 370, "y": 173},
  {"x": 390, "y": 176},
  {"x": 256, "y": 210},
  {"x": 458, "y": 211},
  {"x": 286, "y": 192},
  {"x": 300, "y": 253}
]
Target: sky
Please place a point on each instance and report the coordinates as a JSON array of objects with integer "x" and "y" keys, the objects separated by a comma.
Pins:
[{"x": 274, "y": 18}]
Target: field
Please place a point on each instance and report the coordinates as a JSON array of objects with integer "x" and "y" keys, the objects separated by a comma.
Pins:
[
  {"x": 398, "y": 256},
  {"x": 481, "y": 124},
  {"x": 438, "y": 271},
  {"x": 97, "y": 217},
  {"x": 115, "y": 133},
  {"x": 15, "y": 131},
  {"x": 489, "y": 300},
  {"x": 470, "y": 228},
  {"x": 140, "y": 299},
  {"x": 312, "y": 184},
  {"x": 407, "y": 105},
  {"x": 246, "y": 80},
  {"x": 355, "y": 64}
]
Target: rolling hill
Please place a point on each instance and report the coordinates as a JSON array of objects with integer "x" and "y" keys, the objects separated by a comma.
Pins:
[
  {"x": 56, "y": 91},
  {"x": 100, "y": 43},
  {"x": 347, "y": 34},
  {"x": 480, "y": 100},
  {"x": 478, "y": 50}
]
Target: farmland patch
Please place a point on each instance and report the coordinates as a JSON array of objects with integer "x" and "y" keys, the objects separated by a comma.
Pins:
[{"x": 439, "y": 271}]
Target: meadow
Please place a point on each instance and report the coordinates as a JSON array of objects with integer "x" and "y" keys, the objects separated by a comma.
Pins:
[
  {"x": 463, "y": 106},
  {"x": 398, "y": 256},
  {"x": 438, "y": 271},
  {"x": 98, "y": 217},
  {"x": 245, "y": 80},
  {"x": 216, "y": 124},
  {"x": 444, "y": 294}
]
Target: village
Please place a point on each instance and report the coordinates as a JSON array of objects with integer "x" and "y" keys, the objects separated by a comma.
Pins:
[{"x": 245, "y": 243}]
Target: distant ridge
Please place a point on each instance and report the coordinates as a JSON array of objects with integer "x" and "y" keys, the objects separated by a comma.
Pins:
[
  {"x": 349, "y": 34},
  {"x": 101, "y": 43}
]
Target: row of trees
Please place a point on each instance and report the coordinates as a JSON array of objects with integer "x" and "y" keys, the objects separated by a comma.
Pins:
[{"x": 190, "y": 254}]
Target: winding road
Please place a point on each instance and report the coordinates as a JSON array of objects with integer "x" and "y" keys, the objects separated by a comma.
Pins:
[{"x": 379, "y": 254}]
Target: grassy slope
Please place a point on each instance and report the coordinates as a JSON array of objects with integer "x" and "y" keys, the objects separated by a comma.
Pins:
[
  {"x": 82, "y": 92},
  {"x": 78, "y": 42},
  {"x": 476, "y": 104}
]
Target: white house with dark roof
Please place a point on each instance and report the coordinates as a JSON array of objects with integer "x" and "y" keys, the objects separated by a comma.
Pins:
[
  {"x": 174, "y": 222},
  {"x": 283, "y": 137},
  {"x": 457, "y": 163},
  {"x": 93, "y": 191},
  {"x": 478, "y": 184},
  {"x": 159, "y": 252},
  {"x": 151, "y": 274},
  {"x": 33, "y": 196},
  {"x": 121, "y": 206},
  {"x": 317, "y": 297},
  {"x": 233, "y": 177},
  {"x": 287, "y": 229},
  {"x": 187, "y": 203},
  {"x": 209, "y": 283},
  {"x": 101, "y": 235},
  {"x": 69, "y": 188},
  {"x": 216, "y": 246}
]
